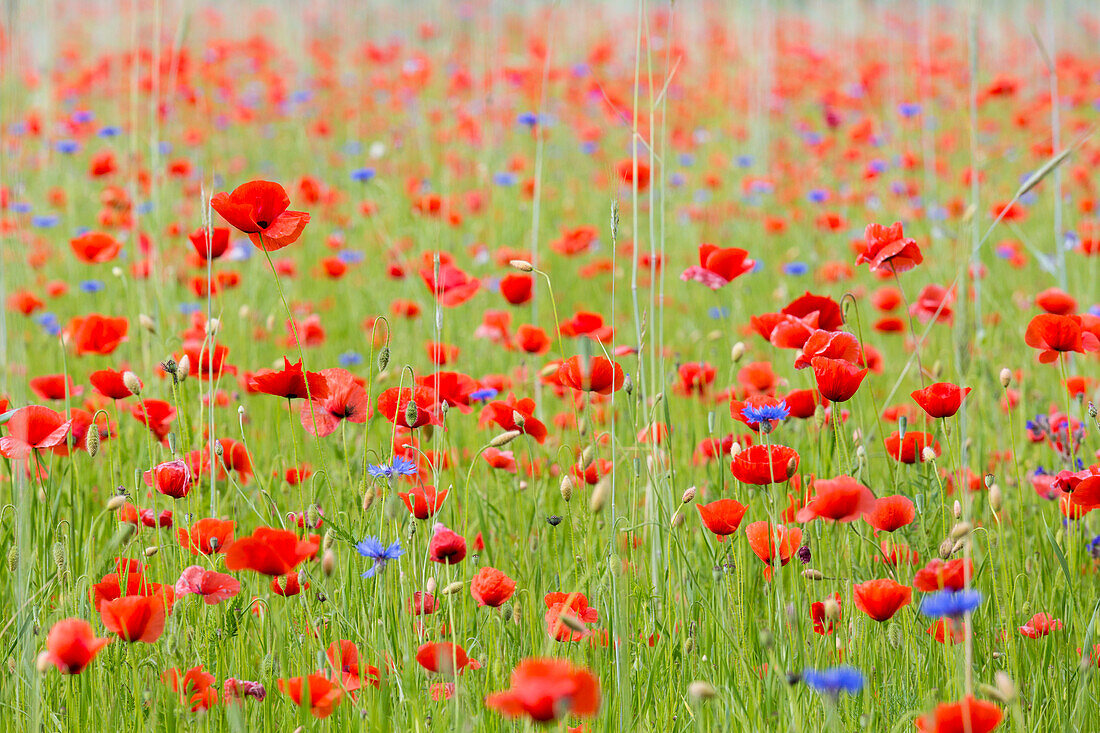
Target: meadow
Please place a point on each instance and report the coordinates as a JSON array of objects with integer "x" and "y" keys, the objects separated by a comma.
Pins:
[{"x": 549, "y": 366}]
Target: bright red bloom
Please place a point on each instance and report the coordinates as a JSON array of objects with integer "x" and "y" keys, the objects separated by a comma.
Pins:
[
  {"x": 452, "y": 286},
  {"x": 324, "y": 694},
  {"x": 508, "y": 415},
  {"x": 72, "y": 644},
  {"x": 516, "y": 287},
  {"x": 940, "y": 575},
  {"x": 214, "y": 587},
  {"x": 346, "y": 400},
  {"x": 910, "y": 449},
  {"x": 490, "y": 587},
  {"x": 830, "y": 344},
  {"x": 446, "y": 547},
  {"x": 532, "y": 339},
  {"x": 206, "y": 536},
  {"x": 722, "y": 517},
  {"x": 718, "y": 266},
  {"x": 443, "y": 657},
  {"x": 969, "y": 715},
  {"x": 400, "y": 404},
  {"x": 214, "y": 248},
  {"x": 95, "y": 247},
  {"x": 171, "y": 479},
  {"x": 423, "y": 501},
  {"x": 1056, "y": 301},
  {"x": 625, "y": 169},
  {"x": 881, "y": 599},
  {"x": 195, "y": 687},
  {"x": 96, "y": 334},
  {"x": 33, "y": 427},
  {"x": 109, "y": 383},
  {"x": 269, "y": 551},
  {"x": 136, "y": 617},
  {"x": 817, "y": 616},
  {"x": 1053, "y": 335},
  {"x": 54, "y": 387},
  {"x": 837, "y": 379},
  {"x": 259, "y": 209},
  {"x": 287, "y": 585},
  {"x": 773, "y": 542},
  {"x": 762, "y": 465},
  {"x": 821, "y": 309},
  {"x": 601, "y": 375},
  {"x": 1041, "y": 624},
  {"x": 941, "y": 399},
  {"x": 890, "y": 513},
  {"x": 547, "y": 689},
  {"x": 886, "y": 248},
  {"x": 842, "y": 499},
  {"x": 343, "y": 655},
  {"x": 290, "y": 382}
]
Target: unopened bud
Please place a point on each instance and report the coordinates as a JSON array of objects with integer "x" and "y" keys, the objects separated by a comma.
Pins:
[
  {"x": 411, "y": 413},
  {"x": 522, "y": 265},
  {"x": 184, "y": 369},
  {"x": 430, "y": 586},
  {"x": 328, "y": 541},
  {"x": 504, "y": 438},
  {"x": 150, "y": 550},
  {"x": 131, "y": 382},
  {"x": 451, "y": 588},
  {"x": 600, "y": 495},
  {"x": 170, "y": 366},
  {"x": 383, "y": 359},
  {"x": 369, "y": 497},
  {"x": 328, "y": 563},
  {"x": 115, "y": 502},
  {"x": 1006, "y": 377},
  {"x": 43, "y": 662},
  {"x": 927, "y": 454},
  {"x": 996, "y": 498},
  {"x": 688, "y": 495},
  {"x": 91, "y": 440},
  {"x": 147, "y": 323},
  {"x": 832, "y": 609},
  {"x": 811, "y": 574},
  {"x": 957, "y": 509},
  {"x": 628, "y": 384},
  {"x": 701, "y": 691},
  {"x": 519, "y": 420},
  {"x": 737, "y": 351},
  {"x": 572, "y": 622},
  {"x": 566, "y": 488}
]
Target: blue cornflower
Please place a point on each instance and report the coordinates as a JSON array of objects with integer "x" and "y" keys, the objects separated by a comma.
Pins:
[
  {"x": 818, "y": 196},
  {"x": 67, "y": 147},
  {"x": 21, "y": 207},
  {"x": 363, "y": 175},
  {"x": 399, "y": 467},
  {"x": 189, "y": 308},
  {"x": 743, "y": 161},
  {"x": 527, "y": 119},
  {"x": 82, "y": 116},
  {"x": 766, "y": 413},
  {"x": 49, "y": 323},
  {"x": 588, "y": 147},
  {"x": 950, "y": 603},
  {"x": 92, "y": 286},
  {"x": 504, "y": 179},
  {"x": 373, "y": 548},
  {"x": 1094, "y": 547},
  {"x": 908, "y": 109},
  {"x": 834, "y": 680},
  {"x": 45, "y": 222},
  {"x": 164, "y": 147},
  {"x": 110, "y": 131},
  {"x": 350, "y": 256},
  {"x": 483, "y": 395},
  {"x": 718, "y": 312},
  {"x": 350, "y": 358},
  {"x": 796, "y": 268}
]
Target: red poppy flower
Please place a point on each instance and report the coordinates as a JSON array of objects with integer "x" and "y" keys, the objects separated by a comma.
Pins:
[
  {"x": 532, "y": 339},
  {"x": 890, "y": 513},
  {"x": 969, "y": 715},
  {"x": 600, "y": 375},
  {"x": 817, "y": 616},
  {"x": 1053, "y": 335},
  {"x": 830, "y": 344},
  {"x": 516, "y": 287},
  {"x": 443, "y": 657},
  {"x": 323, "y": 694},
  {"x": 513, "y": 414},
  {"x": 206, "y": 363},
  {"x": 819, "y": 308},
  {"x": 171, "y": 479},
  {"x": 910, "y": 449},
  {"x": 33, "y": 428},
  {"x": 940, "y": 575},
  {"x": 25, "y": 302},
  {"x": 718, "y": 266},
  {"x": 400, "y": 404},
  {"x": 446, "y": 547},
  {"x": 887, "y": 249},
  {"x": 803, "y": 403},
  {"x": 773, "y": 542},
  {"x": 96, "y": 334},
  {"x": 452, "y": 286},
  {"x": 633, "y": 172},
  {"x": 195, "y": 687},
  {"x": 547, "y": 689},
  {"x": 586, "y": 323},
  {"x": 212, "y": 586},
  {"x": 842, "y": 499},
  {"x": 290, "y": 382},
  {"x": 259, "y": 209},
  {"x": 722, "y": 517},
  {"x": 490, "y": 587},
  {"x": 72, "y": 644},
  {"x": 211, "y": 247},
  {"x": 837, "y": 379},
  {"x": 95, "y": 247},
  {"x": 346, "y": 399},
  {"x": 423, "y": 501},
  {"x": 269, "y": 551},
  {"x": 54, "y": 387},
  {"x": 206, "y": 536},
  {"x": 343, "y": 655},
  {"x": 881, "y": 599},
  {"x": 762, "y": 465},
  {"x": 110, "y": 384},
  {"x": 135, "y": 618},
  {"x": 1040, "y": 625},
  {"x": 287, "y": 585},
  {"x": 696, "y": 377},
  {"x": 941, "y": 399},
  {"x": 1056, "y": 301}
]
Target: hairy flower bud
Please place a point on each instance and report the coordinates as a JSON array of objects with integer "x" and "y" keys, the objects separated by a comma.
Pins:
[
  {"x": 522, "y": 265},
  {"x": 131, "y": 382}
]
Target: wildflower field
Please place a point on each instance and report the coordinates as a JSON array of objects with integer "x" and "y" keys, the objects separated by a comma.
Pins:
[{"x": 481, "y": 365}]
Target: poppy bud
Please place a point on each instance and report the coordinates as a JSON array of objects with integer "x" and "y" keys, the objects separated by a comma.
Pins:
[
  {"x": 946, "y": 548},
  {"x": 328, "y": 541},
  {"x": 91, "y": 441},
  {"x": 676, "y": 520},
  {"x": 819, "y": 417},
  {"x": 430, "y": 586},
  {"x": 811, "y": 574},
  {"x": 832, "y": 610},
  {"x": 549, "y": 370},
  {"x": 184, "y": 368},
  {"x": 959, "y": 546},
  {"x": 582, "y": 427},
  {"x": 522, "y": 265},
  {"x": 451, "y": 588},
  {"x": 369, "y": 497},
  {"x": 857, "y": 436},
  {"x": 147, "y": 323},
  {"x": 383, "y": 359},
  {"x": 903, "y": 424},
  {"x": 573, "y": 623},
  {"x": 792, "y": 467},
  {"x": 700, "y": 691},
  {"x": 516, "y": 613},
  {"x": 328, "y": 563},
  {"x": 59, "y": 558},
  {"x": 411, "y": 413},
  {"x": 689, "y": 495},
  {"x": 13, "y": 559},
  {"x": 996, "y": 499},
  {"x": 737, "y": 352},
  {"x": 927, "y": 453},
  {"x": 43, "y": 663},
  {"x": 171, "y": 443},
  {"x": 566, "y": 488},
  {"x": 313, "y": 516},
  {"x": 505, "y": 613},
  {"x": 657, "y": 398},
  {"x": 240, "y": 410},
  {"x": 587, "y": 456},
  {"x": 957, "y": 509},
  {"x": 115, "y": 502},
  {"x": 710, "y": 421},
  {"x": 600, "y": 495},
  {"x": 504, "y": 438},
  {"x": 689, "y": 645},
  {"x": 131, "y": 382},
  {"x": 1006, "y": 377},
  {"x": 150, "y": 550}
]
